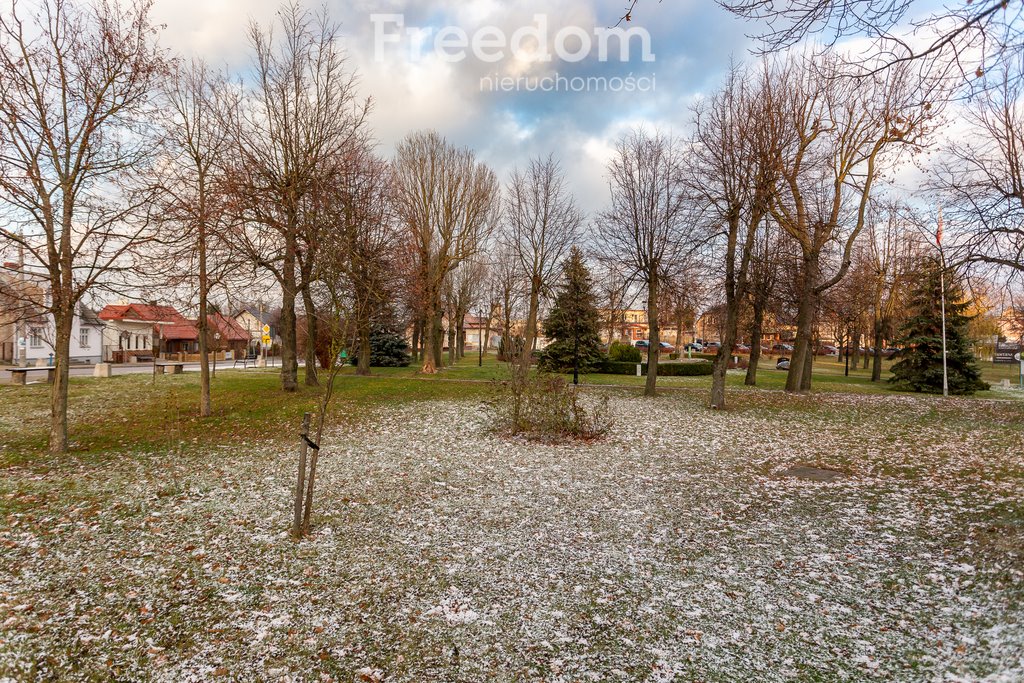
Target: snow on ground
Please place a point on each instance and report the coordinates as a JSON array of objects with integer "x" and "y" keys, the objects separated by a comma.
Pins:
[{"x": 672, "y": 551}]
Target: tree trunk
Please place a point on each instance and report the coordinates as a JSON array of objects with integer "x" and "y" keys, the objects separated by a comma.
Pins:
[
  {"x": 805, "y": 382},
  {"x": 203, "y": 327},
  {"x": 654, "y": 338},
  {"x": 451, "y": 340},
  {"x": 805, "y": 322},
  {"x": 805, "y": 330},
  {"x": 311, "y": 337},
  {"x": 756, "y": 332},
  {"x": 432, "y": 360},
  {"x": 417, "y": 326},
  {"x": 487, "y": 330},
  {"x": 363, "y": 364},
  {"x": 530, "y": 333},
  {"x": 63, "y": 318},
  {"x": 460, "y": 340},
  {"x": 728, "y": 338},
  {"x": 876, "y": 365},
  {"x": 289, "y": 359}
]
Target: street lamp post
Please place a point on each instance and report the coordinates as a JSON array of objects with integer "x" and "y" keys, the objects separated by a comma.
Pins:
[{"x": 216, "y": 346}]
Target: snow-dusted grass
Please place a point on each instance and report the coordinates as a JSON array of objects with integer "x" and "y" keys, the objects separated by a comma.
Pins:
[{"x": 675, "y": 549}]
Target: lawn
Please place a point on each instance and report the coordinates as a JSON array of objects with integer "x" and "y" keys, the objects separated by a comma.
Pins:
[{"x": 687, "y": 545}]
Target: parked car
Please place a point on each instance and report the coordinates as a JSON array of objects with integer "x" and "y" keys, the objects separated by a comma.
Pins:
[
  {"x": 827, "y": 350},
  {"x": 712, "y": 347},
  {"x": 741, "y": 348},
  {"x": 663, "y": 347},
  {"x": 782, "y": 364},
  {"x": 782, "y": 348},
  {"x": 890, "y": 352},
  {"x": 694, "y": 346}
]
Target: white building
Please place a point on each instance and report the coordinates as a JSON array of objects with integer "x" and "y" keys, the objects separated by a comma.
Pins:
[
  {"x": 35, "y": 345},
  {"x": 129, "y": 329}
]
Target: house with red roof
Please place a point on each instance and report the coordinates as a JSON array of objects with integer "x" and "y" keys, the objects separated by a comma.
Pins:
[
  {"x": 134, "y": 330},
  {"x": 226, "y": 335},
  {"x": 130, "y": 329}
]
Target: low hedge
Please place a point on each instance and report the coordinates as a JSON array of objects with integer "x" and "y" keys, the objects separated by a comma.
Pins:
[{"x": 664, "y": 369}]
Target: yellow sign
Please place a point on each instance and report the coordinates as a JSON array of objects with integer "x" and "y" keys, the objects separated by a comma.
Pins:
[
  {"x": 266, "y": 340},
  {"x": 266, "y": 330}
]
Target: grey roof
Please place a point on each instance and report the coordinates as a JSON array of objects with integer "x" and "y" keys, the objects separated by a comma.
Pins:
[{"x": 89, "y": 317}]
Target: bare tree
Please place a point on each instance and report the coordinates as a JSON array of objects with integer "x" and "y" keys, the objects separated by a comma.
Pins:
[
  {"x": 645, "y": 227},
  {"x": 506, "y": 294},
  {"x": 613, "y": 293},
  {"x": 542, "y": 225},
  {"x": 76, "y": 147},
  {"x": 839, "y": 136},
  {"x": 980, "y": 176},
  {"x": 889, "y": 250},
  {"x": 449, "y": 204},
  {"x": 351, "y": 222},
  {"x": 959, "y": 36},
  {"x": 301, "y": 112},
  {"x": 192, "y": 202},
  {"x": 765, "y": 271},
  {"x": 735, "y": 178}
]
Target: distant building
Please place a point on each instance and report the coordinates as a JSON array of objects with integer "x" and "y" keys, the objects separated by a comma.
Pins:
[
  {"x": 27, "y": 330},
  {"x": 628, "y": 325},
  {"x": 226, "y": 337},
  {"x": 252, "y": 319},
  {"x": 130, "y": 328}
]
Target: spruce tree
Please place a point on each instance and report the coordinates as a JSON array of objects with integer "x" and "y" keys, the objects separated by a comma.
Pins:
[
  {"x": 388, "y": 349},
  {"x": 920, "y": 364},
  {"x": 573, "y": 324}
]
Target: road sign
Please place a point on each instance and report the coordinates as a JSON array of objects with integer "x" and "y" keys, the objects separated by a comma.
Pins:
[
  {"x": 266, "y": 340},
  {"x": 266, "y": 330},
  {"x": 1016, "y": 357}
]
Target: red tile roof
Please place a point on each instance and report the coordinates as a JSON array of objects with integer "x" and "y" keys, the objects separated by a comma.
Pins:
[
  {"x": 184, "y": 332},
  {"x": 144, "y": 312},
  {"x": 229, "y": 328}
]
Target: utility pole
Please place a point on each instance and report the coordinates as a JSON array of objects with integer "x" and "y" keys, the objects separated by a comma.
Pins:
[{"x": 480, "y": 335}]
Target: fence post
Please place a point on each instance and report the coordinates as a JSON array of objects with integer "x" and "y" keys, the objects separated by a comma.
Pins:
[{"x": 300, "y": 486}]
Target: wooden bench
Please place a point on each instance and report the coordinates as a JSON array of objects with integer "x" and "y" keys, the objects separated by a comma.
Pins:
[
  {"x": 175, "y": 368},
  {"x": 20, "y": 375}
]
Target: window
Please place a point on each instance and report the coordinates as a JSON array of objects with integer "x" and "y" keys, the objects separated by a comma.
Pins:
[
  {"x": 83, "y": 337},
  {"x": 35, "y": 338}
]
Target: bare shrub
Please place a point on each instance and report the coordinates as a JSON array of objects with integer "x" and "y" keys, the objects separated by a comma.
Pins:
[{"x": 547, "y": 408}]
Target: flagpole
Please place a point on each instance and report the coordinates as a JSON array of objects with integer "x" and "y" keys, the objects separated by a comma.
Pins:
[{"x": 942, "y": 285}]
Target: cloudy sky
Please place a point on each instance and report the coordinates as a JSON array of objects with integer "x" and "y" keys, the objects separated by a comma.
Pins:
[
  {"x": 692, "y": 42},
  {"x": 413, "y": 87}
]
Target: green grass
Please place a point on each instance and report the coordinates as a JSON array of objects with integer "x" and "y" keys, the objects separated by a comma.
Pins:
[{"x": 131, "y": 412}]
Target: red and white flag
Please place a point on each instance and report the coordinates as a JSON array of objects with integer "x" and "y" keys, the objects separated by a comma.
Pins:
[{"x": 938, "y": 232}]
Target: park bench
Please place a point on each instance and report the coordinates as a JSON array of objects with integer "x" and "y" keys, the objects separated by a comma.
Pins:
[
  {"x": 175, "y": 368},
  {"x": 20, "y": 375},
  {"x": 246, "y": 361}
]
